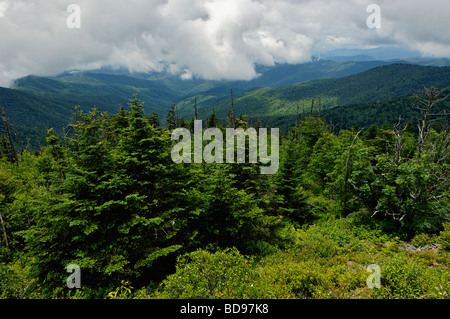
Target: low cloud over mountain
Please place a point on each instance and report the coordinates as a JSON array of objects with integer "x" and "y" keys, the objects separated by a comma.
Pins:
[{"x": 212, "y": 39}]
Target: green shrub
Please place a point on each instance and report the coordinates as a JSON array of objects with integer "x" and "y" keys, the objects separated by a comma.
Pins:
[
  {"x": 347, "y": 278},
  {"x": 202, "y": 274},
  {"x": 331, "y": 237},
  {"x": 295, "y": 280},
  {"x": 15, "y": 282},
  {"x": 421, "y": 240},
  {"x": 316, "y": 243},
  {"x": 402, "y": 277},
  {"x": 263, "y": 248},
  {"x": 444, "y": 237}
]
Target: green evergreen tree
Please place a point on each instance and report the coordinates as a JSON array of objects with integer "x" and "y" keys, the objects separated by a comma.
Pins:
[
  {"x": 293, "y": 203},
  {"x": 213, "y": 122},
  {"x": 172, "y": 117}
]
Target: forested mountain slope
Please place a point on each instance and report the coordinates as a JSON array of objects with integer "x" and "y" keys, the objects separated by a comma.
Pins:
[
  {"x": 42, "y": 102},
  {"x": 280, "y": 106},
  {"x": 159, "y": 90}
]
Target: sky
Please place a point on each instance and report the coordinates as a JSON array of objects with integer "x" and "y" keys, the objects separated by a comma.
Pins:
[{"x": 210, "y": 39}]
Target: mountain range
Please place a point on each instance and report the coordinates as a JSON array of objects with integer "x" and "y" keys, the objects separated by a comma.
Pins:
[
  {"x": 276, "y": 97},
  {"x": 379, "y": 84}
]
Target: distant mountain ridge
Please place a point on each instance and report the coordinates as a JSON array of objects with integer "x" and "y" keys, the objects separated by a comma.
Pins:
[
  {"x": 108, "y": 89},
  {"x": 378, "y": 84},
  {"x": 273, "y": 97}
]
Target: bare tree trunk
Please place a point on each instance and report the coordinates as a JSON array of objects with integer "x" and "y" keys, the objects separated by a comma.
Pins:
[
  {"x": 38, "y": 138},
  {"x": 425, "y": 104},
  {"x": 16, "y": 134},
  {"x": 398, "y": 133},
  {"x": 64, "y": 135},
  {"x": 347, "y": 172},
  {"x": 195, "y": 109},
  {"x": 12, "y": 150},
  {"x": 4, "y": 230},
  {"x": 320, "y": 107},
  {"x": 28, "y": 145},
  {"x": 441, "y": 147},
  {"x": 233, "y": 115},
  {"x": 296, "y": 121}
]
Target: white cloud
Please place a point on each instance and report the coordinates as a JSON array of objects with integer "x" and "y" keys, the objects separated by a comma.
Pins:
[
  {"x": 212, "y": 39},
  {"x": 3, "y": 7}
]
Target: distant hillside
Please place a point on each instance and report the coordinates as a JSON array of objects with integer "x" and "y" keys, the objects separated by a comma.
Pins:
[
  {"x": 285, "y": 74},
  {"x": 159, "y": 90},
  {"x": 378, "y": 113},
  {"x": 32, "y": 115},
  {"x": 375, "y": 85},
  {"x": 277, "y": 76},
  {"x": 365, "y": 87},
  {"x": 108, "y": 92}
]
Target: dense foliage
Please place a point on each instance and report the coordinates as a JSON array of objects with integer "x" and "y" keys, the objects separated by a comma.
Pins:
[{"x": 109, "y": 198}]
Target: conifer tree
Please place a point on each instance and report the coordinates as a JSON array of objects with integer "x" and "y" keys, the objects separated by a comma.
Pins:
[
  {"x": 195, "y": 109},
  {"x": 293, "y": 203},
  {"x": 172, "y": 117},
  {"x": 212, "y": 122},
  {"x": 231, "y": 113}
]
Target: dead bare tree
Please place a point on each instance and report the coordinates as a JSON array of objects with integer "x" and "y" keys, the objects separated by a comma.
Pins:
[
  {"x": 396, "y": 158},
  {"x": 296, "y": 120},
  {"x": 431, "y": 189},
  {"x": 425, "y": 103},
  {"x": 332, "y": 127},
  {"x": 440, "y": 148},
  {"x": 195, "y": 109},
  {"x": 10, "y": 145},
  {"x": 4, "y": 230},
  {"x": 347, "y": 171},
  {"x": 38, "y": 138},
  {"x": 65, "y": 135},
  {"x": 320, "y": 107},
  {"x": 231, "y": 112}
]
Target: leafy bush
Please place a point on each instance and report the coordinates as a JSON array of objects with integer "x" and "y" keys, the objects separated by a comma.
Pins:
[
  {"x": 15, "y": 282},
  {"x": 295, "y": 280},
  {"x": 402, "y": 277},
  {"x": 202, "y": 274},
  {"x": 327, "y": 261},
  {"x": 444, "y": 238},
  {"x": 421, "y": 240},
  {"x": 333, "y": 236}
]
